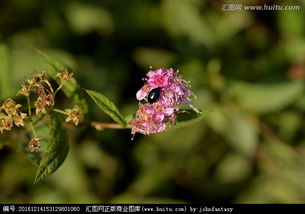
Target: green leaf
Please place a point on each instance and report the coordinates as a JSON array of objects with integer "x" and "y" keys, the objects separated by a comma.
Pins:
[
  {"x": 188, "y": 118},
  {"x": 300, "y": 103},
  {"x": 182, "y": 18},
  {"x": 42, "y": 130},
  {"x": 57, "y": 149},
  {"x": 265, "y": 98},
  {"x": 70, "y": 88},
  {"x": 107, "y": 106},
  {"x": 283, "y": 167},
  {"x": 5, "y": 87},
  {"x": 241, "y": 132},
  {"x": 236, "y": 126},
  {"x": 291, "y": 24},
  {"x": 145, "y": 57},
  {"x": 84, "y": 18}
]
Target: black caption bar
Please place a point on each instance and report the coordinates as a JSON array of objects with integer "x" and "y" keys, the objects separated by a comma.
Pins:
[{"x": 149, "y": 208}]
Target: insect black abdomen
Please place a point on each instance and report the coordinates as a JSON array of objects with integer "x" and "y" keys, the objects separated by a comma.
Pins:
[{"x": 154, "y": 95}]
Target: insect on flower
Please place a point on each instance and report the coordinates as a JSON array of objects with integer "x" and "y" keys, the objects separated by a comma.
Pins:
[
  {"x": 154, "y": 95},
  {"x": 163, "y": 92}
]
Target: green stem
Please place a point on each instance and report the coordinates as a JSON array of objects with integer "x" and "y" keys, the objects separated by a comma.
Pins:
[
  {"x": 30, "y": 112},
  {"x": 100, "y": 126},
  {"x": 33, "y": 130},
  {"x": 29, "y": 104},
  {"x": 60, "y": 111},
  {"x": 50, "y": 86},
  {"x": 38, "y": 119},
  {"x": 58, "y": 89}
]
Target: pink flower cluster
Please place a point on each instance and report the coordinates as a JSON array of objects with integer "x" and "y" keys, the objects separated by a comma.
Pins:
[{"x": 152, "y": 117}]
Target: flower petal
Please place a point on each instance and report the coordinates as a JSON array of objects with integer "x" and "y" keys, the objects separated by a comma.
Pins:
[{"x": 141, "y": 94}]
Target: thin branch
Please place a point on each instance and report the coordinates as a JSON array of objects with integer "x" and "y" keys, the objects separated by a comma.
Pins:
[
  {"x": 33, "y": 130},
  {"x": 60, "y": 111},
  {"x": 49, "y": 84},
  {"x": 58, "y": 89},
  {"x": 100, "y": 126},
  {"x": 29, "y": 104}
]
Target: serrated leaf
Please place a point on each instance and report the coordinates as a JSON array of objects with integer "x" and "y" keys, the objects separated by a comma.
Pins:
[
  {"x": 70, "y": 88},
  {"x": 57, "y": 149},
  {"x": 42, "y": 130},
  {"x": 107, "y": 106}
]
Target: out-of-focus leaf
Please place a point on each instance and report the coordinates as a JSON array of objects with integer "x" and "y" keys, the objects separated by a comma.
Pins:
[
  {"x": 57, "y": 149},
  {"x": 294, "y": 49},
  {"x": 70, "y": 88},
  {"x": 233, "y": 168},
  {"x": 147, "y": 182},
  {"x": 71, "y": 178},
  {"x": 242, "y": 132},
  {"x": 182, "y": 18},
  {"x": 107, "y": 106},
  {"x": 282, "y": 176},
  {"x": 217, "y": 119},
  {"x": 291, "y": 24},
  {"x": 152, "y": 56},
  {"x": 237, "y": 127},
  {"x": 24, "y": 62},
  {"x": 301, "y": 103},
  {"x": 215, "y": 79},
  {"x": 288, "y": 125},
  {"x": 85, "y": 18},
  {"x": 285, "y": 167},
  {"x": 5, "y": 86},
  {"x": 194, "y": 71},
  {"x": 264, "y": 98},
  {"x": 230, "y": 24},
  {"x": 12, "y": 176}
]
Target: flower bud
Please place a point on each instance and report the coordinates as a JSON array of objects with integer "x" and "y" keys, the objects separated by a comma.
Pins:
[
  {"x": 10, "y": 107},
  {"x": 18, "y": 119},
  {"x": 34, "y": 144},
  {"x": 5, "y": 123},
  {"x": 40, "y": 105},
  {"x": 65, "y": 75},
  {"x": 74, "y": 115}
]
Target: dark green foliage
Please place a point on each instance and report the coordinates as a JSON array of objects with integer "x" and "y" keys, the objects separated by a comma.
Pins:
[
  {"x": 56, "y": 151},
  {"x": 108, "y": 107}
]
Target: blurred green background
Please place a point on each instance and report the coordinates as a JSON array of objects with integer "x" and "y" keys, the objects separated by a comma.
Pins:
[{"x": 246, "y": 68}]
